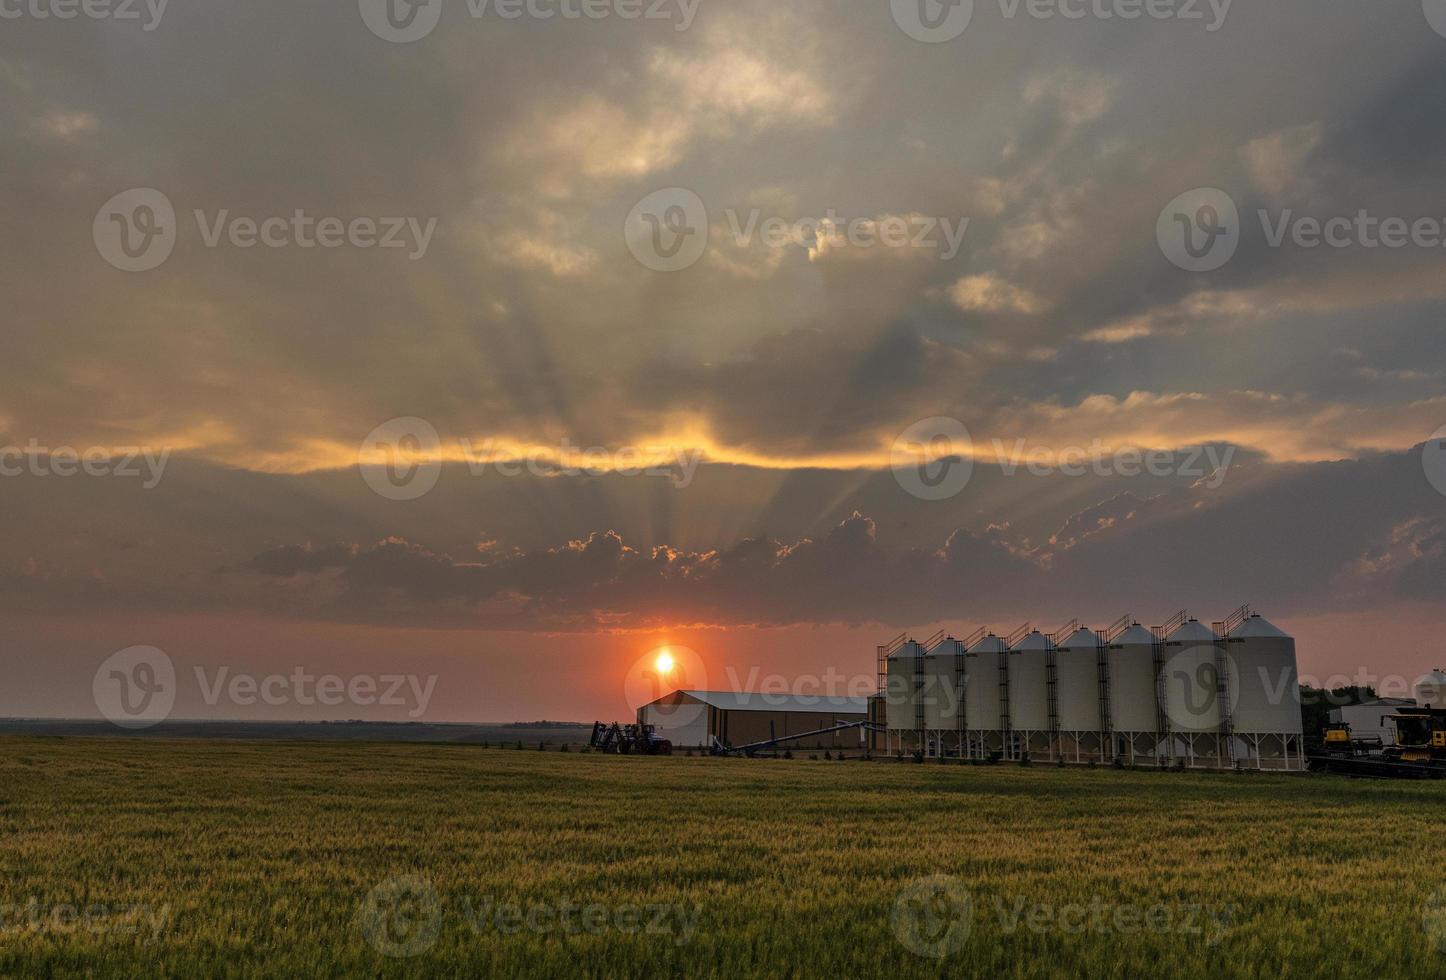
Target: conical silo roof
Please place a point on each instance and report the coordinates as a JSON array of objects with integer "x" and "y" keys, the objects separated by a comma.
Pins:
[
  {"x": 1082, "y": 637},
  {"x": 1192, "y": 631},
  {"x": 1259, "y": 626},
  {"x": 990, "y": 644},
  {"x": 1136, "y": 635},
  {"x": 1034, "y": 641},
  {"x": 946, "y": 647},
  {"x": 911, "y": 649}
]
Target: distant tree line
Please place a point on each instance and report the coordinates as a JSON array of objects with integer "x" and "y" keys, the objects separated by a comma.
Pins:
[{"x": 1316, "y": 704}]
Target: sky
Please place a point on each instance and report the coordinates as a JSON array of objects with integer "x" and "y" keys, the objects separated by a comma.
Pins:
[{"x": 504, "y": 344}]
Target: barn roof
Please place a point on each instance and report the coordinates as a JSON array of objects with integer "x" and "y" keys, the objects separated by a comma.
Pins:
[{"x": 744, "y": 701}]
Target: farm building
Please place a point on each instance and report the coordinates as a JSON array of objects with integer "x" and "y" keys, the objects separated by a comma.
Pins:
[
  {"x": 692, "y": 719},
  {"x": 1368, "y": 719},
  {"x": 1216, "y": 696}
]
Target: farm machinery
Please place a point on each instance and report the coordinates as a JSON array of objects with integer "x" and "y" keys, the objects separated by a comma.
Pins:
[
  {"x": 1418, "y": 752},
  {"x": 628, "y": 739},
  {"x": 775, "y": 740}
]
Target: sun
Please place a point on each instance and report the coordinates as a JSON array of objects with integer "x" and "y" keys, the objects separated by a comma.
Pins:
[{"x": 665, "y": 662}]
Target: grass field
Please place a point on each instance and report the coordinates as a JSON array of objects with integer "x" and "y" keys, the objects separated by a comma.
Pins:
[{"x": 144, "y": 857}]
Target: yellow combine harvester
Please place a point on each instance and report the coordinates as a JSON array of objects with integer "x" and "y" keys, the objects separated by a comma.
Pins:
[{"x": 1417, "y": 752}]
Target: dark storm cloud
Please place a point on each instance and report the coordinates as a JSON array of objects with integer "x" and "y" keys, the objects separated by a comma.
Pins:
[
  {"x": 1299, "y": 538},
  {"x": 531, "y": 141}
]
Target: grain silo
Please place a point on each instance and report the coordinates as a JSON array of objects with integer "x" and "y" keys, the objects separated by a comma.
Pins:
[
  {"x": 1262, "y": 692},
  {"x": 905, "y": 677},
  {"x": 1430, "y": 690},
  {"x": 1180, "y": 692},
  {"x": 986, "y": 699},
  {"x": 1190, "y": 691},
  {"x": 1077, "y": 694},
  {"x": 1029, "y": 676},
  {"x": 1134, "y": 707},
  {"x": 943, "y": 692}
]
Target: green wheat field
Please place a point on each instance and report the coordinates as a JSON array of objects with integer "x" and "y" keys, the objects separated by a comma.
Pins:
[{"x": 131, "y": 857}]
